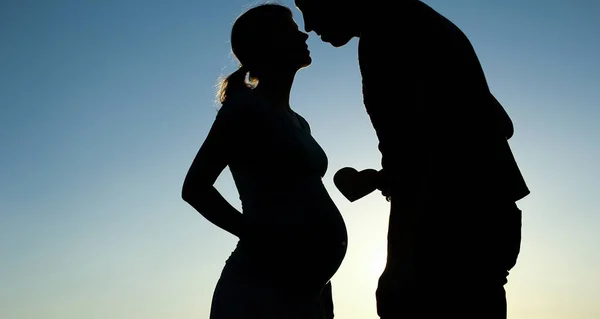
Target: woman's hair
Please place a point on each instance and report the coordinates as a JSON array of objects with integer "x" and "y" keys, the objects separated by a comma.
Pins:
[{"x": 247, "y": 37}]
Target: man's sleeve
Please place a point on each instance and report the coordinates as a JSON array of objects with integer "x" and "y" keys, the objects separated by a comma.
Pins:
[
  {"x": 393, "y": 87},
  {"x": 327, "y": 302}
]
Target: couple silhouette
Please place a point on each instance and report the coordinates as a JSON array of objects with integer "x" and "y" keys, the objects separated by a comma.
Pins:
[{"x": 447, "y": 168}]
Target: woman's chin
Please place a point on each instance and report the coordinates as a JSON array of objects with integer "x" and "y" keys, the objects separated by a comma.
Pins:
[{"x": 307, "y": 61}]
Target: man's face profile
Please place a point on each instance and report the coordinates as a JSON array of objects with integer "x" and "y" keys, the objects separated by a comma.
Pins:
[{"x": 327, "y": 18}]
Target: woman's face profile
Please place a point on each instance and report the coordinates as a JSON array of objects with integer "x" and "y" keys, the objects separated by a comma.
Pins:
[{"x": 286, "y": 45}]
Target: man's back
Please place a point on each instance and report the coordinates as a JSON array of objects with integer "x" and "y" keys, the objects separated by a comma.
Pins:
[{"x": 438, "y": 125}]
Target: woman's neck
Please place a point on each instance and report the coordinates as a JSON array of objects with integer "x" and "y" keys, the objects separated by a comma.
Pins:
[{"x": 276, "y": 89}]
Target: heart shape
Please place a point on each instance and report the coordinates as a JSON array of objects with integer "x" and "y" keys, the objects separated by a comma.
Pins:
[{"x": 353, "y": 184}]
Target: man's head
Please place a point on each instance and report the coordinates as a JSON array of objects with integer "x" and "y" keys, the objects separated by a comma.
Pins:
[{"x": 335, "y": 21}]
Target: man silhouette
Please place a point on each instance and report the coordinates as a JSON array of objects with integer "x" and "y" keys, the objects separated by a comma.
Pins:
[{"x": 454, "y": 228}]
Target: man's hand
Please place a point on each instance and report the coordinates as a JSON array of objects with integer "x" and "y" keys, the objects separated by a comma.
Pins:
[
  {"x": 355, "y": 185},
  {"x": 384, "y": 186}
]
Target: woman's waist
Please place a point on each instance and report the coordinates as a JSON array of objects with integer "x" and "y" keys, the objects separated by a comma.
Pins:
[
  {"x": 296, "y": 226},
  {"x": 289, "y": 204},
  {"x": 300, "y": 225}
]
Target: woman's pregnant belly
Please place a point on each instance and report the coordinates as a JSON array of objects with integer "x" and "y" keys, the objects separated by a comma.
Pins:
[{"x": 299, "y": 237}]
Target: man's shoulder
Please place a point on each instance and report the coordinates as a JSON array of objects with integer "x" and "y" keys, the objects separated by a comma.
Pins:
[
  {"x": 400, "y": 25},
  {"x": 414, "y": 33}
]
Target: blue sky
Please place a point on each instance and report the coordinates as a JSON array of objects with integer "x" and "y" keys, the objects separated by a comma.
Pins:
[{"x": 104, "y": 104}]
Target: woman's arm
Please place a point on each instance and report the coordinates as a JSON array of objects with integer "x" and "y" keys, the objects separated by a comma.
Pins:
[{"x": 211, "y": 159}]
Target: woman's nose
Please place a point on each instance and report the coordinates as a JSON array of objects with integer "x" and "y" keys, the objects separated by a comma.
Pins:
[{"x": 307, "y": 26}]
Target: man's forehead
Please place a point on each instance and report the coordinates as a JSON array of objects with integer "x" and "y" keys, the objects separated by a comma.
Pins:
[
  {"x": 317, "y": 4},
  {"x": 300, "y": 3},
  {"x": 306, "y": 3}
]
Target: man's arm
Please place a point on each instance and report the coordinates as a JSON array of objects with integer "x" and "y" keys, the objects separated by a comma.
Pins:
[
  {"x": 393, "y": 87},
  {"x": 383, "y": 185},
  {"x": 327, "y": 301}
]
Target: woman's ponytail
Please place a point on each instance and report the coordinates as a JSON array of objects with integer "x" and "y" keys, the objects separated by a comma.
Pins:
[{"x": 235, "y": 82}]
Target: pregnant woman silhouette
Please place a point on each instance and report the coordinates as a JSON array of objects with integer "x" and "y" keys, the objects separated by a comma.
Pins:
[{"x": 292, "y": 237}]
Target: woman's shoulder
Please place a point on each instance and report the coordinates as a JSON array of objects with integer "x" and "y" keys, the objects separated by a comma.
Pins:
[
  {"x": 245, "y": 99},
  {"x": 243, "y": 103}
]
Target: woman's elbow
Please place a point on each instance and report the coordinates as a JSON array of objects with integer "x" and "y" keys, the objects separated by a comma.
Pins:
[
  {"x": 189, "y": 192},
  {"x": 192, "y": 192},
  {"x": 185, "y": 193}
]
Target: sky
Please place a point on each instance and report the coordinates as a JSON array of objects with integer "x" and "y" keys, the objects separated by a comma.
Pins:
[{"x": 103, "y": 105}]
